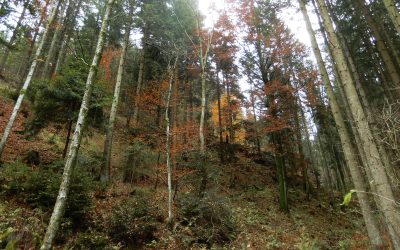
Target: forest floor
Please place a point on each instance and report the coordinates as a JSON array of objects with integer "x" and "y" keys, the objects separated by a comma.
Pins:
[{"x": 249, "y": 189}]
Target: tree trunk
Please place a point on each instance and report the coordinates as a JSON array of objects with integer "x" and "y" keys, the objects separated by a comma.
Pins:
[
  {"x": 168, "y": 135},
  {"x": 393, "y": 13},
  {"x": 13, "y": 37},
  {"x": 350, "y": 155},
  {"x": 380, "y": 45},
  {"x": 27, "y": 82},
  {"x": 221, "y": 139},
  {"x": 67, "y": 34},
  {"x": 54, "y": 42},
  {"x": 380, "y": 179},
  {"x": 140, "y": 79},
  {"x": 59, "y": 206},
  {"x": 70, "y": 123},
  {"x": 105, "y": 172}
]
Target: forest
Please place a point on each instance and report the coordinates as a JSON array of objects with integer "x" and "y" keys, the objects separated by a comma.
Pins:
[{"x": 156, "y": 124}]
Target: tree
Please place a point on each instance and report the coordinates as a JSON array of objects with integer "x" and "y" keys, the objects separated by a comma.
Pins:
[
  {"x": 105, "y": 172},
  {"x": 76, "y": 139},
  {"x": 28, "y": 79},
  {"x": 345, "y": 138},
  {"x": 386, "y": 201}
]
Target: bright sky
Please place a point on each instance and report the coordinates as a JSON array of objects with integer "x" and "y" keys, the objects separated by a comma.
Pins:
[{"x": 291, "y": 16}]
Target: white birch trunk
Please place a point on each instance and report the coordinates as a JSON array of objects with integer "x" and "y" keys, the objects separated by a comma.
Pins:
[
  {"x": 28, "y": 80},
  {"x": 168, "y": 144},
  {"x": 76, "y": 139},
  {"x": 106, "y": 167}
]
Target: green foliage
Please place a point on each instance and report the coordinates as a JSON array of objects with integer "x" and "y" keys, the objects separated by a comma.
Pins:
[
  {"x": 59, "y": 99},
  {"x": 132, "y": 222},
  {"x": 39, "y": 188},
  {"x": 209, "y": 219},
  {"x": 347, "y": 198},
  {"x": 140, "y": 159}
]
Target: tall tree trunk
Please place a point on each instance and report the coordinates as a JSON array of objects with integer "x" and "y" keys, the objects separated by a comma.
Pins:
[
  {"x": 13, "y": 37},
  {"x": 105, "y": 171},
  {"x": 140, "y": 78},
  {"x": 54, "y": 41},
  {"x": 393, "y": 13},
  {"x": 168, "y": 135},
  {"x": 380, "y": 45},
  {"x": 257, "y": 133},
  {"x": 350, "y": 155},
  {"x": 66, "y": 35},
  {"x": 381, "y": 181},
  {"x": 27, "y": 82},
  {"x": 221, "y": 139},
  {"x": 59, "y": 206}
]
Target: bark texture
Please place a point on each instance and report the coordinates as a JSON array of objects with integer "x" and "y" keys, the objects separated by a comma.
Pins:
[
  {"x": 350, "y": 154},
  {"x": 59, "y": 207},
  {"x": 105, "y": 172},
  {"x": 386, "y": 200}
]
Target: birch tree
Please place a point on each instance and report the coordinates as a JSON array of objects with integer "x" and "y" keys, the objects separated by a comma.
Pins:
[
  {"x": 106, "y": 167},
  {"x": 59, "y": 206},
  {"x": 168, "y": 138},
  {"x": 29, "y": 77}
]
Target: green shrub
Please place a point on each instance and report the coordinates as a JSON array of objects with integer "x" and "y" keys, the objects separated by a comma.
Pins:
[
  {"x": 209, "y": 219},
  {"x": 131, "y": 222},
  {"x": 39, "y": 188}
]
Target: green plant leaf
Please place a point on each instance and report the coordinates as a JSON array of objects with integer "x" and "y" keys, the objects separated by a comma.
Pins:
[{"x": 347, "y": 198}]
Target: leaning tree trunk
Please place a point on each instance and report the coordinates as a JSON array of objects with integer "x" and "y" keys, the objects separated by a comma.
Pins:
[
  {"x": 13, "y": 37},
  {"x": 27, "y": 82},
  {"x": 380, "y": 44},
  {"x": 105, "y": 172},
  {"x": 76, "y": 139},
  {"x": 350, "y": 154},
  {"x": 393, "y": 13},
  {"x": 380, "y": 179},
  {"x": 54, "y": 41}
]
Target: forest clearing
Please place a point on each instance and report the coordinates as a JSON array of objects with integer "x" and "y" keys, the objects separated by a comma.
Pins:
[{"x": 182, "y": 124}]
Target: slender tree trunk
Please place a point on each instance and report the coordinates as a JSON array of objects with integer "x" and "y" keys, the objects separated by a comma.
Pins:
[
  {"x": 54, "y": 41},
  {"x": 59, "y": 206},
  {"x": 70, "y": 123},
  {"x": 27, "y": 82},
  {"x": 13, "y": 37},
  {"x": 140, "y": 79},
  {"x": 105, "y": 172},
  {"x": 67, "y": 34},
  {"x": 203, "y": 55},
  {"x": 381, "y": 181},
  {"x": 168, "y": 135},
  {"x": 253, "y": 106},
  {"x": 221, "y": 139},
  {"x": 350, "y": 155},
  {"x": 393, "y": 13},
  {"x": 380, "y": 45}
]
